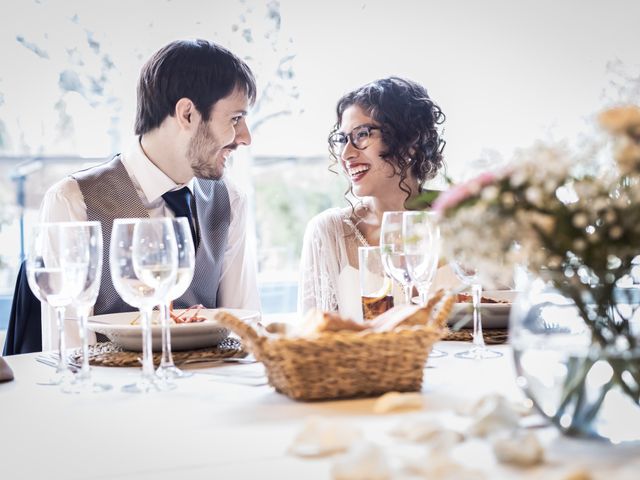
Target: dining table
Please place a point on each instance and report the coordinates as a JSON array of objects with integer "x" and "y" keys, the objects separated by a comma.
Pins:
[{"x": 226, "y": 421}]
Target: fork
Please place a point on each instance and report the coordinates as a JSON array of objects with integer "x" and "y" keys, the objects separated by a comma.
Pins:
[
  {"x": 240, "y": 361},
  {"x": 53, "y": 362}
]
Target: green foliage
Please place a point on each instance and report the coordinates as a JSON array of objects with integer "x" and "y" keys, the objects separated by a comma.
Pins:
[{"x": 287, "y": 195}]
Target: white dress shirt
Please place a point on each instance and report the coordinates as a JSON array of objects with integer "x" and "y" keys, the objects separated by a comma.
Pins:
[{"x": 238, "y": 288}]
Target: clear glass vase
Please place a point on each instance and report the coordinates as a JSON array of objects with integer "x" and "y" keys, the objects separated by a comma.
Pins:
[{"x": 586, "y": 383}]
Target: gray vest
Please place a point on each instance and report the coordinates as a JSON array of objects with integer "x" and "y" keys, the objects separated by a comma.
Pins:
[{"x": 109, "y": 193}]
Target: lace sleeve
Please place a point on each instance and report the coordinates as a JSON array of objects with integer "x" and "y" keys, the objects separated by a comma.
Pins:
[{"x": 319, "y": 265}]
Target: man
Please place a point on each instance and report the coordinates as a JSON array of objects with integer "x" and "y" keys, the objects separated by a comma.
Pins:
[{"x": 193, "y": 98}]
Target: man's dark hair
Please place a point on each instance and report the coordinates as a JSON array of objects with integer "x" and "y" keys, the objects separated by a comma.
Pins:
[
  {"x": 195, "y": 69},
  {"x": 408, "y": 121}
]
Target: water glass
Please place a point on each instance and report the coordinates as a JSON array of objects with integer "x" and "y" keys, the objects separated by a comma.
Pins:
[
  {"x": 479, "y": 351},
  {"x": 143, "y": 258},
  {"x": 392, "y": 250},
  {"x": 422, "y": 249},
  {"x": 56, "y": 278},
  {"x": 186, "y": 265},
  {"x": 375, "y": 286},
  {"x": 83, "y": 243}
]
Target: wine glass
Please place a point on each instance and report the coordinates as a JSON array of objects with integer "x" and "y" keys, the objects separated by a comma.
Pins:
[
  {"x": 392, "y": 250},
  {"x": 143, "y": 259},
  {"x": 421, "y": 236},
  {"x": 186, "y": 264},
  {"x": 422, "y": 248},
  {"x": 470, "y": 276},
  {"x": 83, "y": 246},
  {"x": 55, "y": 278}
]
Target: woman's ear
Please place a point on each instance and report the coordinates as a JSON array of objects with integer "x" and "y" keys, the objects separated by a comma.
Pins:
[{"x": 186, "y": 113}]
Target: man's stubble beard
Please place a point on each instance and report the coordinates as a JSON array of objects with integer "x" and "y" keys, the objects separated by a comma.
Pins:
[{"x": 201, "y": 146}]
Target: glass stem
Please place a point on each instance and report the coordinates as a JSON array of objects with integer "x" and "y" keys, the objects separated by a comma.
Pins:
[
  {"x": 147, "y": 353},
  {"x": 167, "y": 358},
  {"x": 423, "y": 291},
  {"x": 62, "y": 347},
  {"x": 478, "y": 338},
  {"x": 83, "y": 315},
  {"x": 407, "y": 293}
]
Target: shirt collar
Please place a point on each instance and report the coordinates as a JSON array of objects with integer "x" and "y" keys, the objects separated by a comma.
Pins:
[{"x": 153, "y": 181}]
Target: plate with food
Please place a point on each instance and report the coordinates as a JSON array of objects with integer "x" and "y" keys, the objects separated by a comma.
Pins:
[
  {"x": 191, "y": 328},
  {"x": 495, "y": 306}
]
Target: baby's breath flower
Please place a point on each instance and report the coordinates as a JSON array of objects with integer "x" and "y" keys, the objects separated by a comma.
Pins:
[
  {"x": 616, "y": 232},
  {"x": 579, "y": 245},
  {"x": 580, "y": 220},
  {"x": 508, "y": 199},
  {"x": 533, "y": 195}
]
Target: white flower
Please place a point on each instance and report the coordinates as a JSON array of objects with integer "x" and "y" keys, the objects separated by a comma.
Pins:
[
  {"x": 616, "y": 232},
  {"x": 555, "y": 261},
  {"x": 508, "y": 199},
  {"x": 518, "y": 179},
  {"x": 579, "y": 245},
  {"x": 490, "y": 193},
  {"x": 610, "y": 216},
  {"x": 580, "y": 220},
  {"x": 533, "y": 195}
]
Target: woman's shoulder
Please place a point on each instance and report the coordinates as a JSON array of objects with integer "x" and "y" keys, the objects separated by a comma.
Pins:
[
  {"x": 327, "y": 217},
  {"x": 329, "y": 221}
]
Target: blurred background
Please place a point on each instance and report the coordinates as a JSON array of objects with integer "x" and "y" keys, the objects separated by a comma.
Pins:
[{"x": 505, "y": 73}]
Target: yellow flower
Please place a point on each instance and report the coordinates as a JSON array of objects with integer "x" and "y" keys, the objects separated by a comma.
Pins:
[{"x": 624, "y": 119}]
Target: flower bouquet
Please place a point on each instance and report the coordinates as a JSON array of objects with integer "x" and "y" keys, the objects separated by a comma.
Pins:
[{"x": 575, "y": 225}]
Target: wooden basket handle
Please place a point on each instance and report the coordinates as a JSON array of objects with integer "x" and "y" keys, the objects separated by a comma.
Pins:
[
  {"x": 445, "y": 310},
  {"x": 247, "y": 332}
]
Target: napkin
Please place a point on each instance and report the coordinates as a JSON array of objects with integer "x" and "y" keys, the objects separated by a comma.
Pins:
[{"x": 6, "y": 375}]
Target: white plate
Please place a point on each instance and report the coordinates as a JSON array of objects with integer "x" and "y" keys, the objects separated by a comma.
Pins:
[
  {"x": 184, "y": 336},
  {"x": 494, "y": 315}
]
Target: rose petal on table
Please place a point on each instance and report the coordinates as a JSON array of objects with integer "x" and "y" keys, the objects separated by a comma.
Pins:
[
  {"x": 521, "y": 448},
  {"x": 427, "y": 430},
  {"x": 441, "y": 466},
  {"x": 365, "y": 462},
  {"x": 579, "y": 474},
  {"x": 393, "y": 401},
  {"x": 321, "y": 437},
  {"x": 493, "y": 415}
]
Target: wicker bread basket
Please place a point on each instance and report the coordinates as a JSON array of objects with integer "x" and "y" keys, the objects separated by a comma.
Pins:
[{"x": 341, "y": 364}]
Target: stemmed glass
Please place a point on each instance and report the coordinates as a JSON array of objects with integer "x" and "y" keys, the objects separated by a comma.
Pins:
[
  {"x": 55, "y": 279},
  {"x": 469, "y": 275},
  {"x": 143, "y": 259},
  {"x": 186, "y": 264},
  {"x": 83, "y": 246},
  {"x": 421, "y": 236},
  {"x": 392, "y": 250},
  {"x": 422, "y": 248}
]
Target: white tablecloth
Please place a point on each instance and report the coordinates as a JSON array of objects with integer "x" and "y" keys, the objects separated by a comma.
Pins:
[{"x": 210, "y": 428}]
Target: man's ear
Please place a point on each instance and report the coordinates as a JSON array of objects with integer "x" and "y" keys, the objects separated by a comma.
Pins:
[{"x": 186, "y": 113}]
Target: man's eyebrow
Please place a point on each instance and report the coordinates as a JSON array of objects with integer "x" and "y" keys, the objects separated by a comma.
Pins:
[{"x": 239, "y": 112}]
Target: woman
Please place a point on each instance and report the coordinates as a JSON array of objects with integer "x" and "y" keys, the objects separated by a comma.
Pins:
[{"x": 387, "y": 144}]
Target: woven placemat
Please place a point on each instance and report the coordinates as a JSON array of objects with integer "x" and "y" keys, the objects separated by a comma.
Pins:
[
  {"x": 109, "y": 354},
  {"x": 493, "y": 336}
]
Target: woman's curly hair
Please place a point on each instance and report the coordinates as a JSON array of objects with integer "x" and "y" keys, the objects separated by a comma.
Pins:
[{"x": 408, "y": 119}]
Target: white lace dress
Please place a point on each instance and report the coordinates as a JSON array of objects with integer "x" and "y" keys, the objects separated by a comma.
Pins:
[{"x": 329, "y": 265}]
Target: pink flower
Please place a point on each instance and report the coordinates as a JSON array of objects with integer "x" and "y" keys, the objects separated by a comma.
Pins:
[{"x": 461, "y": 192}]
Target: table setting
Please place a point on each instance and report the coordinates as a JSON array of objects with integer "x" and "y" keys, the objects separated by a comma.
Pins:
[{"x": 197, "y": 392}]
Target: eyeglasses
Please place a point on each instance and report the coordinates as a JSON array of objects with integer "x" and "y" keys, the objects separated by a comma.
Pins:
[{"x": 360, "y": 139}]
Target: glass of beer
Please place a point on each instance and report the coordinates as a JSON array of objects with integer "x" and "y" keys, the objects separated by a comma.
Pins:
[{"x": 375, "y": 286}]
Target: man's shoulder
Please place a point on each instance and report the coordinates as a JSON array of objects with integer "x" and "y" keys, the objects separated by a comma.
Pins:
[
  {"x": 65, "y": 187},
  {"x": 99, "y": 169}
]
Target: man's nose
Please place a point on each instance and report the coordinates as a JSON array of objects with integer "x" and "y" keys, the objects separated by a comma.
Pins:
[{"x": 243, "y": 135}]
